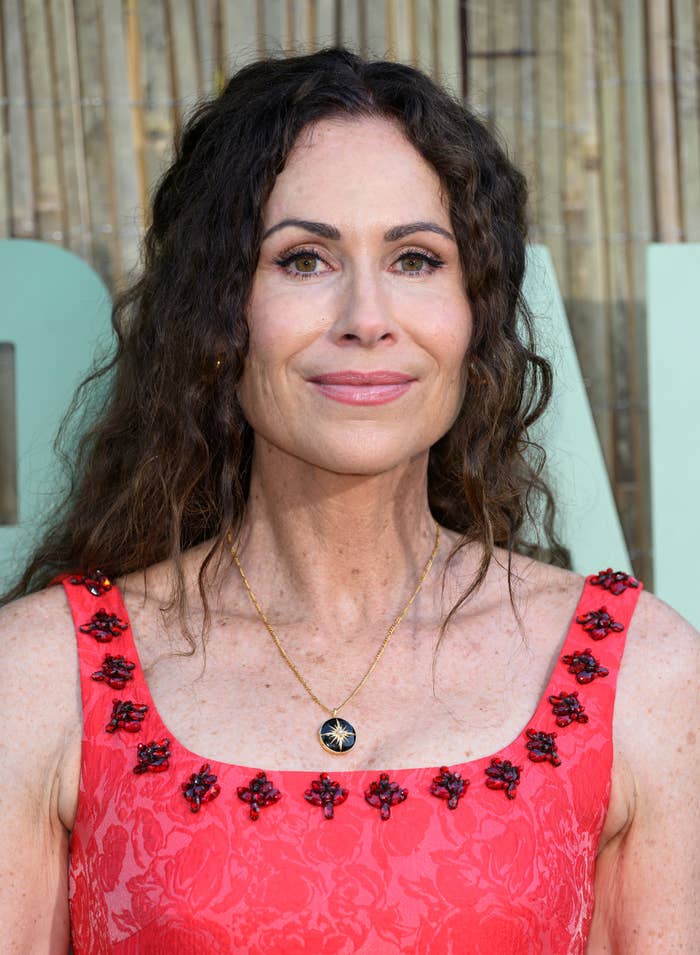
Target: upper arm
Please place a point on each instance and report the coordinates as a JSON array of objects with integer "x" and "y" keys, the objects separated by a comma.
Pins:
[
  {"x": 37, "y": 707},
  {"x": 647, "y": 877}
]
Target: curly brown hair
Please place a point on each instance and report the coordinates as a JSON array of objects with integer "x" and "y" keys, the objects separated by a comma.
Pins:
[{"x": 164, "y": 464}]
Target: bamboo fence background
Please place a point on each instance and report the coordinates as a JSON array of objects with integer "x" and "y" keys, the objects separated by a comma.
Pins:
[{"x": 598, "y": 101}]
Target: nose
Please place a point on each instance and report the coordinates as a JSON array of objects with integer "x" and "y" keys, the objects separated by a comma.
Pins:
[{"x": 364, "y": 315}]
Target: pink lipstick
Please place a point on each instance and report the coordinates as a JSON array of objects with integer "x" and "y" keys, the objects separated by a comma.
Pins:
[{"x": 363, "y": 387}]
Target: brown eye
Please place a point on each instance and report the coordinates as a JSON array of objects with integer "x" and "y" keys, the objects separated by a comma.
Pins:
[
  {"x": 301, "y": 264},
  {"x": 305, "y": 263},
  {"x": 412, "y": 263},
  {"x": 418, "y": 263}
]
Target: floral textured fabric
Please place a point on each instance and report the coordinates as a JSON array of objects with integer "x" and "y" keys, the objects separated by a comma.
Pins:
[{"x": 173, "y": 853}]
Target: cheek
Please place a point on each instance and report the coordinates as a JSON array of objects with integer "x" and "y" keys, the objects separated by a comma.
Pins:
[
  {"x": 274, "y": 337},
  {"x": 449, "y": 347},
  {"x": 279, "y": 326},
  {"x": 277, "y": 334},
  {"x": 451, "y": 333}
]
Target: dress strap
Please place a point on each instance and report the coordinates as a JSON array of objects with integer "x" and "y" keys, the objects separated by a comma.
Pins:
[
  {"x": 583, "y": 684},
  {"x": 602, "y": 617},
  {"x": 106, "y": 650}
]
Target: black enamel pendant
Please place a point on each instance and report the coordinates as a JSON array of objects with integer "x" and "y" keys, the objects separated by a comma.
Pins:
[{"x": 337, "y": 735}]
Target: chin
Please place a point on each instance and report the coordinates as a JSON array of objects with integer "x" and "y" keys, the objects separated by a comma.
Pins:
[{"x": 364, "y": 455}]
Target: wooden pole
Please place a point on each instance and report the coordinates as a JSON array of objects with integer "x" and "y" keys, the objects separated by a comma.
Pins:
[
  {"x": 49, "y": 213},
  {"x": 129, "y": 212},
  {"x": 686, "y": 44},
  {"x": 587, "y": 306},
  {"x": 22, "y": 197},
  {"x": 5, "y": 218},
  {"x": 663, "y": 123},
  {"x": 449, "y": 52},
  {"x": 549, "y": 225}
]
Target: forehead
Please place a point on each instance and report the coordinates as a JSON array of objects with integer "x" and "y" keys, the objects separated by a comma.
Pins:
[{"x": 356, "y": 166}]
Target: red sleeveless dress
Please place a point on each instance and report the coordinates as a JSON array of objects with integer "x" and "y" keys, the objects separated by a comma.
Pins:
[{"x": 172, "y": 853}]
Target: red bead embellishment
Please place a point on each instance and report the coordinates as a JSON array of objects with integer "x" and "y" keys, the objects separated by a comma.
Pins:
[
  {"x": 382, "y": 793},
  {"x": 153, "y": 757},
  {"x": 542, "y": 747},
  {"x": 327, "y": 793},
  {"x": 259, "y": 793},
  {"x": 614, "y": 580},
  {"x": 599, "y": 623},
  {"x": 584, "y": 665},
  {"x": 126, "y": 716},
  {"x": 201, "y": 787},
  {"x": 115, "y": 672},
  {"x": 503, "y": 775},
  {"x": 450, "y": 786},
  {"x": 104, "y": 626},
  {"x": 97, "y": 584},
  {"x": 567, "y": 709}
]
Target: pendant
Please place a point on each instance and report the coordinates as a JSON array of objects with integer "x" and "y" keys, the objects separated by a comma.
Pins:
[{"x": 337, "y": 735}]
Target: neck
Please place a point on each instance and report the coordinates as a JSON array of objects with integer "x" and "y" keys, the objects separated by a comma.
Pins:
[{"x": 334, "y": 547}]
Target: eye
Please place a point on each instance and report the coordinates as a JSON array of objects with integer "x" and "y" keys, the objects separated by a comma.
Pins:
[
  {"x": 301, "y": 263},
  {"x": 418, "y": 263}
]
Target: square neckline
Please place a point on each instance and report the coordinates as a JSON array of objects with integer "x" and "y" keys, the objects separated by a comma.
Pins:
[{"x": 162, "y": 730}]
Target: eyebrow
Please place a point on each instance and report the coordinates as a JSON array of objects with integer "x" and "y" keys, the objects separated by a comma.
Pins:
[{"x": 326, "y": 231}]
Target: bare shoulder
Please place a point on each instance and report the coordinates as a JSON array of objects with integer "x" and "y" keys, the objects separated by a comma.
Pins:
[
  {"x": 37, "y": 640},
  {"x": 41, "y": 706},
  {"x": 655, "y": 623},
  {"x": 654, "y": 727},
  {"x": 657, "y": 677},
  {"x": 41, "y": 683},
  {"x": 39, "y": 661},
  {"x": 38, "y": 630},
  {"x": 647, "y": 873}
]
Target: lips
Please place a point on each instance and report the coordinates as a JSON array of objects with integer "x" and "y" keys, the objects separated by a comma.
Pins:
[
  {"x": 363, "y": 387},
  {"x": 362, "y": 378}
]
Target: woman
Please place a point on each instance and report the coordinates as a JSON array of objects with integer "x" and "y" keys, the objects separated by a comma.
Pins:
[{"x": 327, "y": 705}]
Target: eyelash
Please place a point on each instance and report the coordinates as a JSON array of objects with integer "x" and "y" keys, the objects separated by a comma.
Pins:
[{"x": 284, "y": 261}]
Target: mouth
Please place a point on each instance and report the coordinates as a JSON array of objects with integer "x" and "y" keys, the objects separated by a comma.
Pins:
[{"x": 363, "y": 387}]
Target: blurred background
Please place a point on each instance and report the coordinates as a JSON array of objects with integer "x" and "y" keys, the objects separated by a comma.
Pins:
[{"x": 598, "y": 101}]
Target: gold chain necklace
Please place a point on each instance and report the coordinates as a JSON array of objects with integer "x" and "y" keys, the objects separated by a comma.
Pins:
[{"x": 336, "y": 734}]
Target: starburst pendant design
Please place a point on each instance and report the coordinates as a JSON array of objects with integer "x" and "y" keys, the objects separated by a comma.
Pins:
[{"x": 337, "y": 735}]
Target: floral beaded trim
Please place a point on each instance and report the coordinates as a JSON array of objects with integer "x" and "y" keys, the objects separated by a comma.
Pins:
[
  {"x": 449, "y": 786},
  {"x": 598, "y": 623},
  {"x": 259, "y": 793},
  {"x": 153, "y": 757},
  {"x": 126, "y": 716},
  {"x": 383, "y": 793},
  {"x": 567, "y": 708},
  {"x": 200, "y": 788},
  {"x": 542, "y": 747},
  {"x": 615, "y": 581},
  {"x": 103, "y": 626},
  {"x": 115, "y": 672},
  {"x": 97, "y": 583},
  {"x": 327, "y": 793},
  {"x": 502, "y": 774},
  {"x": 584, "y": 665}
]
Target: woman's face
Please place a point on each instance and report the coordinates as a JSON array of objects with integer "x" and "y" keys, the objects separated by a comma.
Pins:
[{"x": 358, "y": 318}]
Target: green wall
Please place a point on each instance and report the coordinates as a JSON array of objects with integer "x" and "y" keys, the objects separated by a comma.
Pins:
[
  {"x": 56, "y": 312},
  {"x": 673, "y": 275}
]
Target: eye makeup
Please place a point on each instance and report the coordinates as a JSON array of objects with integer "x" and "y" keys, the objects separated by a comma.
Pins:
[
  {"x": 286, "y": 260},
  {"x": 433, "y": 262}
]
